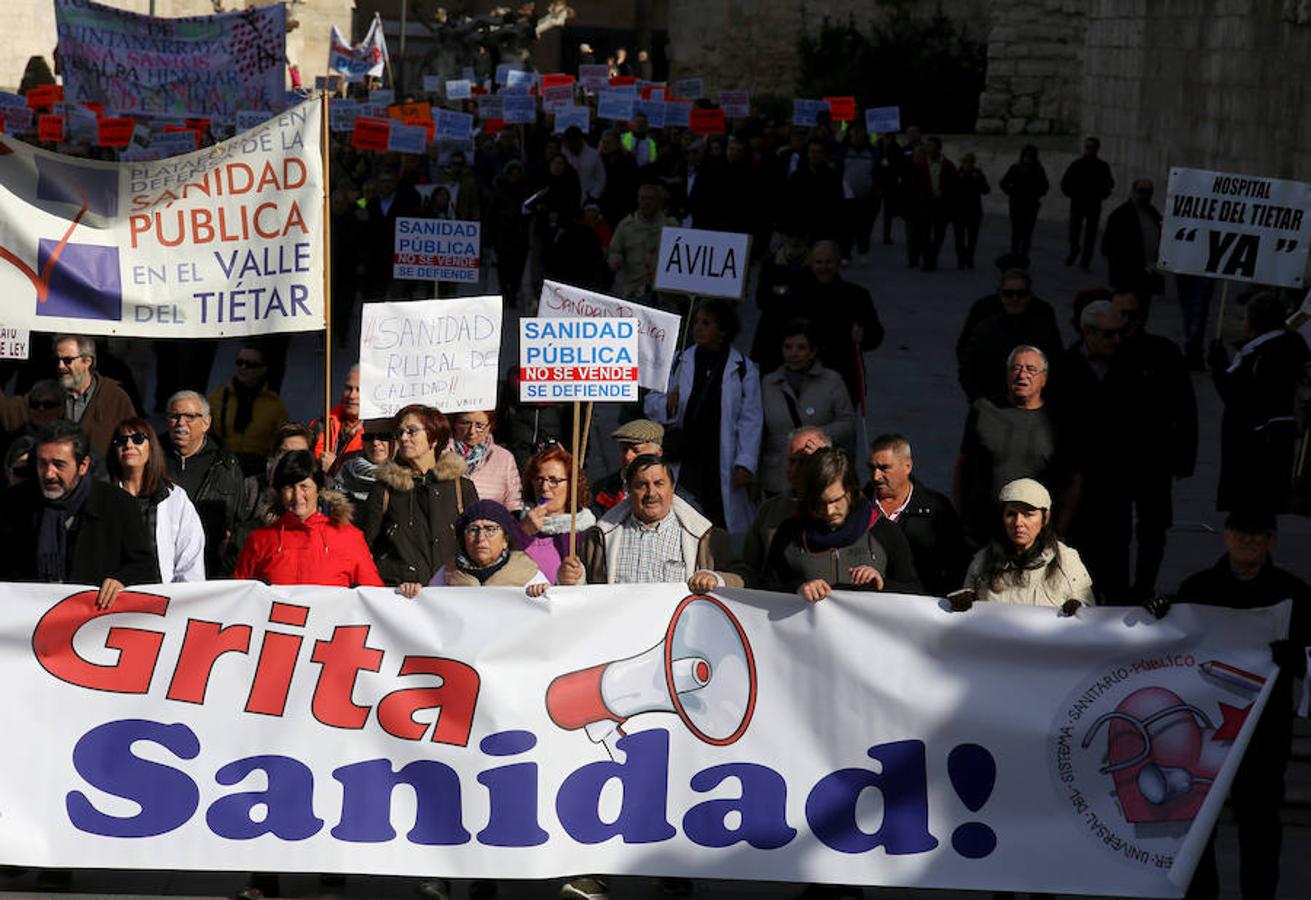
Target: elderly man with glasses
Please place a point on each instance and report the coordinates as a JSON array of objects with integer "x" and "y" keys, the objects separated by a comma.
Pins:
[{"x": 94, "y": 402}]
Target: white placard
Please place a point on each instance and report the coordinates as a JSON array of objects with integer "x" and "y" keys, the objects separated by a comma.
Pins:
[
  {"x": 15, "y": 343},
  {"x": 594, "y": 77},
  {"x": 654, "y": 110},
  {"x": 657, "y": 330},
  {"x": 569, "y": 359},
  {"x": 437, "y": 250},
  {"x": 441, "y": 353},
  {"x": 538, "y": 738},
  {"x": 805, "y": 113},
  {"x": 342, "y": 114},
  {"x": 407, "y": 138},
  {"x": 572, "y": 115},
  {"x": 459, "y": 89},
  {"x": 617, "y": 106},
  {"x": 451, "y": 125},
  {"x": 735, "y": 104},
  {"x": 703, "y": 263},
  {"x": 1236, "y": 227},
  {"x": 883, "y": 120},
  {"x": 519, "y": 109}
]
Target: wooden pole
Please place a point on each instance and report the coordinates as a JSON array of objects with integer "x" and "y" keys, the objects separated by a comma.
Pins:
[
  {"x": 327, "y": 274},
  {"x": 587, "y": 430},
  {"x": 1301, "y": 456},
  {"x": 1220, "y": 319},
  {"x": 573, "y": 489}
]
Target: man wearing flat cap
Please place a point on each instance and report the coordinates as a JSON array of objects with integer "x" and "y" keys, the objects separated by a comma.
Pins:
[{"x": 636, "y": 438}]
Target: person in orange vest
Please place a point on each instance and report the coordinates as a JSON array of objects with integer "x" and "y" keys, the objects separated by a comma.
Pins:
[{"x": 345, "y": 429}]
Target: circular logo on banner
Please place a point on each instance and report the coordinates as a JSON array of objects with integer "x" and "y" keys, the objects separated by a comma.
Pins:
[{"x": 1137, "y": 746}]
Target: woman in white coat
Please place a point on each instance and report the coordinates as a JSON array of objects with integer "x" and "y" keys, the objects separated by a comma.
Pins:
[
  {"x": 136, "y": 464},
  {"x": 714, "y": 390}
]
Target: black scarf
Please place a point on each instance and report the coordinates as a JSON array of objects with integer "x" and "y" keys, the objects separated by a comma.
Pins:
[
  {"x": 818, "y": 536},
  {"x": 245, "y": 405},
  {"x": 466, "y": 566},
  {"x": 52, "y": 531}
]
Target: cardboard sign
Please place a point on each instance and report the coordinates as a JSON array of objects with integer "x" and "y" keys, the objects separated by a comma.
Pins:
[
  {"x": 437, "y": 250},
  {"x": 616, "y": 106},
  {"x": 15, "y": 343},
  {"x": 342, "y": 114},
  {"x": 654, "y": 110},
  {"x": 805, "y": 113},
  {"x": 519, "y": 110},
  {"x": 45, "y": 96},
  {"x": 410, "y": 113},
  {"x": 571, "y": 116},
  {"x": 441, "y": 353},
  {"x": 490, "y": 106},
  {"x": 883, "y": 120},
  {"x": 707, "y": 121},
  {"x": 371, "y": 134},
  {"x": 678, "y": 113},
  {"x": 50, "y": 129},
  {"x": 115, "y": 131},
  {"x": 459, "y": 89},
  {"x": 570, "y": 359},
  {"x": 382, "y": 96},
  {"x": 735, "y": 104},
  {"x": 503, "y": 73},
  {"x": 703, "y": 263},
  {"x": 690, "y": 88},
  {"x": 1236, "y": 227},
  {"x": 518, "y": 79},
  {"x": 407, "y": 139},
  {"x": 453, "y": 126},
  {"x": 557, "y": 97},
  {"x": 594, "y": 77},
  {"x": 657, "y": 330},
  {"x": 841, "y": 109}
]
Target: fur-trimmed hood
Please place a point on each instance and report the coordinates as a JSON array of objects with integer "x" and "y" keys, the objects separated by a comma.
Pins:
[
  {"x": 450, "y": 467},
  {"x": 333, "y": 504}
]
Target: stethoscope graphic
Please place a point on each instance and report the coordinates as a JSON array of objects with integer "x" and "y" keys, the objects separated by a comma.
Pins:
[{"x": 1156, "y": 783}]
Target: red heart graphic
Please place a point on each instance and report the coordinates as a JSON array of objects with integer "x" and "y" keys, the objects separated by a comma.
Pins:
[{"x": 1169, "y": 782}]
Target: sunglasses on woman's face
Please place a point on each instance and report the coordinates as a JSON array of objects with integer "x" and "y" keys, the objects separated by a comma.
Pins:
[
  {"x": 136, "y": 437},
  {"x": 372, "y": 436}
]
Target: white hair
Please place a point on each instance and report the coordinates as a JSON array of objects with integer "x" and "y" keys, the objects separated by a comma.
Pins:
[{"x": 190, "y": 395}]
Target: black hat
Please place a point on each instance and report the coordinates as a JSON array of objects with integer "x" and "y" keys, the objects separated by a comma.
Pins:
[{"x": 1252, "y": 520}]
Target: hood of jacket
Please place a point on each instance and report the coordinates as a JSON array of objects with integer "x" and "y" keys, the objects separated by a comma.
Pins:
[
  {"x": 333, "y": 504},
  {"x": 450, "y": 467}
]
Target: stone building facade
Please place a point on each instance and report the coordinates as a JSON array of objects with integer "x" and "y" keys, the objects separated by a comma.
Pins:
[{"x": 1035, "y": 67}]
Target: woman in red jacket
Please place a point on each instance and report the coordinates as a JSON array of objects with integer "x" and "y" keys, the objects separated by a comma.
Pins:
[{"x": 299, "y": 544}]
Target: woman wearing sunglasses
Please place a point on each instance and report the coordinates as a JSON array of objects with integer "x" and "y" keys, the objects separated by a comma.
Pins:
[{"x": 136, "y": 464}]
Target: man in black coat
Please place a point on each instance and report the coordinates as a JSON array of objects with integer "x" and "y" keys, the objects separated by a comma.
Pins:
[
  {"x": 927, "y": 518},
  {"x": 995, "y": 326},
  {"x": 1246, "y": 577},
  {"x": 210, "y": 475},
  {"x": 1087, "y": 182},
  {"x": 66, "y": 527},
  {"x": 1132, "y": 243}
]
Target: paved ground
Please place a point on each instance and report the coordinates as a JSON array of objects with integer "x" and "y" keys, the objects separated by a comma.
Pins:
[{"x": 912, "y": 390}]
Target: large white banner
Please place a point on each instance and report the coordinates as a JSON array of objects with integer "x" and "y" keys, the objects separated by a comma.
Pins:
[
  {"x": 441, "y": 353},
  {"x": 657, "y": 330},
  {"x": 875, "y": 740},
  {"x": 1236, "y": 227},
  {"x": 194, "y": 65},
  {"x": 225, "y": 241}
]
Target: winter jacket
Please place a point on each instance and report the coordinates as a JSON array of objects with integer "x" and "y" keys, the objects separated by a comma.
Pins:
[
  {"x": 213, "y": 480},
  {"x": 354, "y": 445},
  {"x": 791, "y": 563},
  {"x": 705, "y": 548},
  {"x": 323, "y": 549},
  {"x": 497, "y": 476},
  {"x": 518, "y": 571},
  {"x": 179, "y": 538},
  {"x": 822, "y": 402},
  {"x": 409, "y": 520},
  {"x": 1071, "y": 581},
  {"x": 936, "y": 538},
  {"x": 634, "y": 248}
]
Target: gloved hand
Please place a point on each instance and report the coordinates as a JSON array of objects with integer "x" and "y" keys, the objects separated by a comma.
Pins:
[
  {"x": 1217, "y": 357},
  {"x": 961, "y": 600},
  {"x": 1159, "y": 605},
  {"x": 1290, "y": 656},
  {"x": 1070, "y": 607}
]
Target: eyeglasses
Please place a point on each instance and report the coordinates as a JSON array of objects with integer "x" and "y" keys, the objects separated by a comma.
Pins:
[
  {"x": 185, "y": 416},
  {"x": 548, "y": 481},
  {"x": 1028, "y": 370},
  {"x": 474, "y": 426},
  {"x": 374, "y": 436},
  {"x": 408, "y": 432},
  {"x": 249, "y": 364},
  {"x": 136, "y": 437},
  {"x": 68, "y": 361},
  {"x": 1012, "y": 293},
  {"x": 475, "y": 531},
  {"x": 45, "y": 404}
]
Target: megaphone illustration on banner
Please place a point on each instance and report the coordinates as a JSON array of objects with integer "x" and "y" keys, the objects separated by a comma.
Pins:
[{"x": 703, "y": 671}]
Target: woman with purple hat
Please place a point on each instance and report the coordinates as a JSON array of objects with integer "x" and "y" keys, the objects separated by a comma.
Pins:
[{"x": 489, "y": 554}]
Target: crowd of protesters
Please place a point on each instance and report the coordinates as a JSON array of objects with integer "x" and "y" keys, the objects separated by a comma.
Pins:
[{"x": 744, "y": 472}]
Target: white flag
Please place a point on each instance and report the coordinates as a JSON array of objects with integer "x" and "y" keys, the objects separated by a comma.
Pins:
[{"x": 365, "y": 58}]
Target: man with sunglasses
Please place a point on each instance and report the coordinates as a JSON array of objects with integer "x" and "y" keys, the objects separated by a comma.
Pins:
[
  {"x": 94, "y": 402},
  {"x": 996, "y": 325}
]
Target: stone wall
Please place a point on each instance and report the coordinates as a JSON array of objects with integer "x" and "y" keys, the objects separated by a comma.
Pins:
[
  {"x": 1035, "y": 67},
  {"x": 30, "y": 30}
]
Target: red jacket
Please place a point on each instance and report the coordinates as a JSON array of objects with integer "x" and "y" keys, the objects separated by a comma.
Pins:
[{"x": 320, "y": 550}]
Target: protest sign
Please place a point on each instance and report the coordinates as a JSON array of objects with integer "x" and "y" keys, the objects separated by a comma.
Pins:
[
  {"x": 15, "y": 343},
  {"x": 223, "y": 242},
  {"x": 519, "y": 110},
  {"x": 453, "y": 126},
  {"x": 735, "y": 104},
  {"x": 50, "y": 129},
  {"x": 432, "y": 84},
  {"x": 572, "y": 116},
  {"x": 883, "y": 120},
  {"x": 329, "y": 83},
  {"x": 371, "y": 134},
  {"x": 188, "y": 138},
  {"x": 557, "y": 79},
  {"x": 657, "y": 330},
  {"x": 707, "y": 121},
  {"x": 490, "y": 106},
  {"x": 366, "y": 59},
  {"x": 1236, "y": 227},
  {"x": 703, "y": 263},
  {"x": 45, "y": 96},
  {"x": 502, "y": 75},
  {"x": 518, "y": 79},
  {"x": 629, "y": 729},
  {"x": 594, "y": 77},
  {"x": 842, "y": 109},
  {"x": 115, "y": 131},
  {"x": 623, "y": 81},
  {"x": 81, "y": 124},
  {"x": 678, "y": 113},
  {"x": 557, "y": 97},
  {"x": 174, "y": 143},
  {"x": 253, "y": 118},
  {"x": 195, "y": 64},
  {"x": 577, "y": 359},
  {"x": 441, "y": 353},
  {"x": 654, "y": 110},
  {"x": 407, "y": 139},
  {"x": 690, "y": 88},
  {"x": 437, "y": 250},
  {"x": 458, "y": 89},
  {"x": 617, "y": 106},
  {"x": 652, "y": 92},
  {"x": 411, "y": 113},
  {"x": 342, "y": 113},
  {"x": 382, "y": 96},
  {"x": 805, "y": 113},
  {"x": 18, "y": 120}
]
